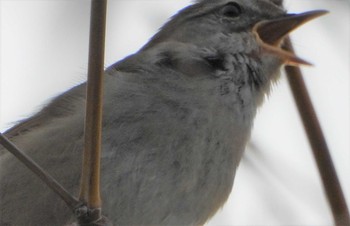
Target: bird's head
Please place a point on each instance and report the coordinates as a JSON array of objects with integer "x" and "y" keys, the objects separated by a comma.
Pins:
[
  {"x": 253, "y": 27},
  {"x": 237, "y": 41}
]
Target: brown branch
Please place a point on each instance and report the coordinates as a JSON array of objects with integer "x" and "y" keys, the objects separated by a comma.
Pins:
[
  {"x": 88, "y": 209},
  {"x": 71, "y": 201},
  {"x": 318, "y": 144},
  {"x": 90, "y": 180}
]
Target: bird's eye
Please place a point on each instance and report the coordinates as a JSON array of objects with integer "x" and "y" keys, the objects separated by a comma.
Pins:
[{"x": 232, "y": 10}]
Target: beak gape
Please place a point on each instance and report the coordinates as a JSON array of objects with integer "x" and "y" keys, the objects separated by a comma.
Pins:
[{"x": 270, "y": 34}]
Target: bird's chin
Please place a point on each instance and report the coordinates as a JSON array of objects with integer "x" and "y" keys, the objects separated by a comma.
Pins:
[{"x": 271, "y": 33}]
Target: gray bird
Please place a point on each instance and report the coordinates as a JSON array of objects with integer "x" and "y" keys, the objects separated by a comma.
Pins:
[{"x": 177, "y": 117}]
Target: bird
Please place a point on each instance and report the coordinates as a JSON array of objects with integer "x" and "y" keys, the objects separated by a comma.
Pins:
[{"x": 177, "y": 116}]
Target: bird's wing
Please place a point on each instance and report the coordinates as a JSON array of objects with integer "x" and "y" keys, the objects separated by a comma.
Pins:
[{"x": 59, "y": 107}]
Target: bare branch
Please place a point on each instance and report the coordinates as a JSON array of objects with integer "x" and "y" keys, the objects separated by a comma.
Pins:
[
  {"x": 71, "y": 201},
  {"x": 318, "y": 144},
  {"x": 90, "y": 180}
]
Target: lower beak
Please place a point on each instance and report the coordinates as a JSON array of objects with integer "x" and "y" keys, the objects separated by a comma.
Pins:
[{"x": 270, "y": 33}]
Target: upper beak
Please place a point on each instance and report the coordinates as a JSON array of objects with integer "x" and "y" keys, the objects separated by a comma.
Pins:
[{"x": 271, "y": 32}]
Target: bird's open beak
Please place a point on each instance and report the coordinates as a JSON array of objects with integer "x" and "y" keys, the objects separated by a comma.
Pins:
[{"x": 270, "y": 34}]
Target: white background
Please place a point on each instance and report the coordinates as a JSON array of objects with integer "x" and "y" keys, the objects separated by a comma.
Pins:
[{"x": 43, "y": 51}]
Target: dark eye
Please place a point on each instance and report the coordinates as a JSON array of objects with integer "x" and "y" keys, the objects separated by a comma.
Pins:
[{"x": 232, "y": 10}]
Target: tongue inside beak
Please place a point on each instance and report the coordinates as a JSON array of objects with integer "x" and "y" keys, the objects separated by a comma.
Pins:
[{"x": 270, "y": 34}]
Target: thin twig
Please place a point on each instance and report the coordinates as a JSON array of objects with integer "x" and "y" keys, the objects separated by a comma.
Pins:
[
  {"x": 71, "y": 201},
  {"x": 90, "y": 180},
  {"x": 332, "y": 187}
]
